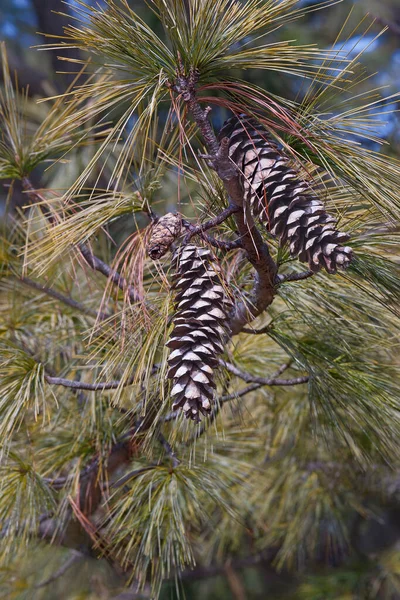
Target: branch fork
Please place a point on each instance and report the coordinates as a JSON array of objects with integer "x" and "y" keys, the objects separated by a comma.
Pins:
[{"x": 251, "y": 240}]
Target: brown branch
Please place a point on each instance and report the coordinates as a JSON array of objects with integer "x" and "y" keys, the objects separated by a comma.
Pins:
[
  {"x": 269, "y": 381},
  {"x": 234, "y": 396},
  {"x": 217, "y": 220},
  {"x": 256, "y": 385},
  {"x": 265, "y": 329},
  {"x": 256, "y": 249},
  {"x": 294, "y": 277},
  {"x": 201, "y": 229},
  {"x": 81, "y": 385},
  {"x": 64, "y": 299},
  {"x": 98, "y": 265}
]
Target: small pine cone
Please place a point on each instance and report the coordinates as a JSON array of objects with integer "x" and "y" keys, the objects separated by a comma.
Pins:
[
  {"x": 284, "y": 204},
  {"x": 200, "y": 326},
  {"x": 163, "y": 234}
]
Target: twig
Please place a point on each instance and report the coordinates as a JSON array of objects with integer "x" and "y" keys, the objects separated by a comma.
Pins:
[
  {"x": 260, "y": 331},
  {"x": 81, "y": 385},
  {"x": 98, "y": 265},
  {"x": 73, "y": 558},
  {"x": 294, "y": 277},
  {"x": 252, "y": 241},
  {"x": 169, "y": 450},
  {"x": 240, "y": 393},
  {"x": 217, "y": 220},
  {"x": 64, "y": 299},
  {"x": 272, "y": 381},
  {"x": 220, "y": 244}
]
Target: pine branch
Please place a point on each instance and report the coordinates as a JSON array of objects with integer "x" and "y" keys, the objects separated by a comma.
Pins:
[
  {"x": 294, "y": 277},
  {"x": 64, "y": 299},
  {"x": 217, "y": 220},
  {"x": 241, "y": 393},
  {"x": 261, "y": 331},
  {"x": 98, "y": 265},
  {"x": 93, "y": 261},
  {"x": 81, "y": 385},
  {"x": 256, "y": 249},
  {"x": 272, "y": 381},
  {"x": 257, "y": 383},
  {"x": 201, "y": 229}
]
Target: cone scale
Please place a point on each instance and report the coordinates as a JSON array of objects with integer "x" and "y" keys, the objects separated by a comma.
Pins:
[
  {"x": 283, "y": 203},
  {"x": 200, "y": 327}
]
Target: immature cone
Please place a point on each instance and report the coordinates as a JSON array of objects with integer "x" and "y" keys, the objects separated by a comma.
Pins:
[
  {"x": 200, "y": 326},
  {"x": 163, "y": 234},
  {"x": 285, "y": 204}
]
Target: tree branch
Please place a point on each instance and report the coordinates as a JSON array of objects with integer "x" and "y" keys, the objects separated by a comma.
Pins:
[
  {"x": 64, "y": 299},
  {"x": 201, "y": 229},
  {"x": 271, "y": 381},
  {"x": 294, "y": 277},
  {"x": 259, "y": 383},
  {"x": 217, "y": 220},
  {"x": 257, "y": 251},
  {"x": 93, "y": 261},
  {"x": 265, "y": 329},
  {"x": 81, "y": 385},
  {"x": 98, "y": 265}
]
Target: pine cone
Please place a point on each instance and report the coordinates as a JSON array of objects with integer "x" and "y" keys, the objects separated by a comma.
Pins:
[
  {"x": 284, "y": 204},
  {"x": 163, "y": 235},
  {"x": 200, "y": 326}
]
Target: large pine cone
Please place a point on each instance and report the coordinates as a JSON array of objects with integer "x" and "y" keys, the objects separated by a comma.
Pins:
[
  {"x": 286, "y": 205},
  {"x": 200, "y": 326}
]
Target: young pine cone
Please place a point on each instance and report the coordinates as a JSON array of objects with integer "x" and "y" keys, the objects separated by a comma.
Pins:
[
  {"x": 163, "y": 234},
  {"x": 200, "y": 326},
  {"x": 284, "y": 204}
]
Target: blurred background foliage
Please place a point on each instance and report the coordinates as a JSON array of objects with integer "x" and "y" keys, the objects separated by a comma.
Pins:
[{"x": 338, "y": 536}]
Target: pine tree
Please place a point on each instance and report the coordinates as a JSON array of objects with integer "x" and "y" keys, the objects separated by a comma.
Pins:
[{"x": 155, "y": 273}]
